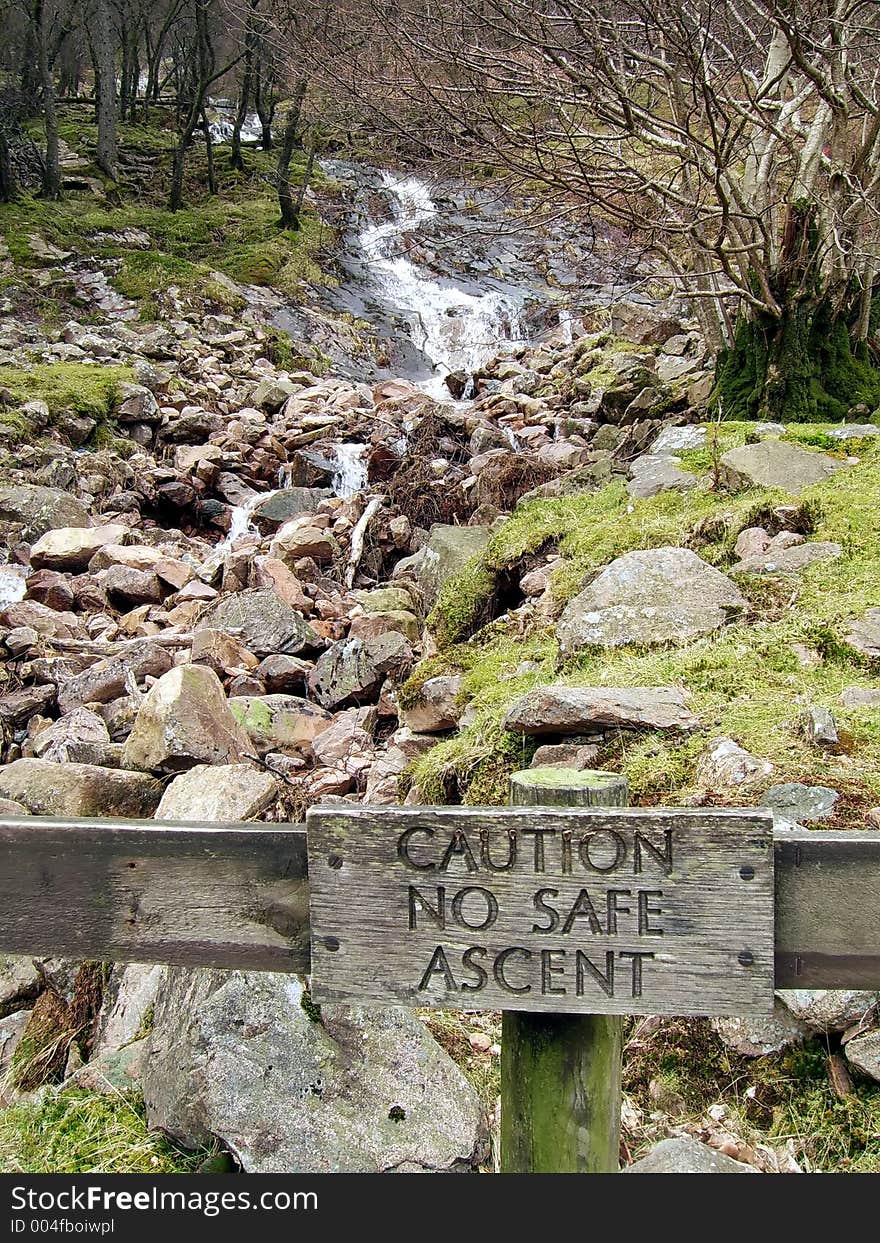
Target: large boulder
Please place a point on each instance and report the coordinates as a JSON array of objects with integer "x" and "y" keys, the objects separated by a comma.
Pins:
[
  {"x": 796, "y": 803},
  {"x": 353, "y": 670},
  {"x": 758, "y": 1036},
  {"x": 444, "y": 555},
  {"x": 653, "y": 473},
  {"x": 72, "y": 548},
  {"x": 39, "y": 510},
  {"x": 658, "y": 595},
  {"x": 579, "y": 709},
  {"x": 105, "y": 680},
  {"x": 185, "y": 720},
  {"x": 262, "y": 621},
  {"x": 863, "y": 1052},
  {"x": 226, "y": 793},
  {"x": 789, "y": 560},
  {"x": 49, "y": 789},
  {"x": 288, "y": 503},
  {"x": 245, "y": 1058},
  {"x": 435, "y": 707},
  {"x": 864, "y": 635},
  {"x": 681, "y": 1155},
  {"x": 776, "y": 464}
]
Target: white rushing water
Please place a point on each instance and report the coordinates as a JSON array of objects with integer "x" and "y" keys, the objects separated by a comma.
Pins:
[
  {"x": 350, "y": 475},
  {"x": 241, "y": 523},
  {"x": 12, "y": 584},
  {"x": 456, "y": 330}
]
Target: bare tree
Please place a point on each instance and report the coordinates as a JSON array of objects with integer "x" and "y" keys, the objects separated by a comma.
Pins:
[
  {"x": 103, "y": 43},
  {"x": 738, "y": 139},
  {"x": 206, "y": 73}
]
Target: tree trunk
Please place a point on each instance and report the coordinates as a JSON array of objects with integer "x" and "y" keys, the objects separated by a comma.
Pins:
[
  {"x": 103, "y": 47},
  {"x": 807, "y": 364},
  {"x": 289, "y": 212},
  {"x": 52, "y": 168},
  {"x": 209, "y": 153},
  {"x": 236, "y": 160},
  {"x": 8, "y": 188},
  {"x": 803, "y": 368}
]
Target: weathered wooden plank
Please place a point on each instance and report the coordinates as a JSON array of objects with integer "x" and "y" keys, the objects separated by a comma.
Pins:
[
  {"x": 827, "y": 909},
  {"x": 145, "y": 891},
  {"x": 232, "y": 895},
  {"x": 549, "y": 910}
]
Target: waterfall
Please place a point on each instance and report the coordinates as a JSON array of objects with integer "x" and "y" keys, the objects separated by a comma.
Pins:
[
  {"x": 12, "y": 584},
  {"x": 456, "y": 330},
  {"x": 350, "y": 475},
  {"x": 240, "y": 523}
]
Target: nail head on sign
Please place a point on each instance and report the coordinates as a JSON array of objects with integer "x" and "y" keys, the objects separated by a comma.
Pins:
[
  {"x": 745, "y": 958},
  {"x": 747, "y": 872},
  {"x": 331, "y": 943},
  {"x": 334, "y": 861}
]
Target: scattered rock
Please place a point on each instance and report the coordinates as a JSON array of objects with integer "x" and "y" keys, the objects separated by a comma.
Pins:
[
  {"x": 353, "y": 670},
  {"x": 445, "y": 554},
  {"x": 687, "y": 1156},
  {"x": 776, "y": 464},
  {"x": 828, "y": 1010},
  {"x": 227, "y": 793},
  {"x": 575, "y": 710},
  {"x": 262, "y": 621},
  {"x": 435, "y": 708},
  {"x": 860, "y": 697},
  {"x": 68, "y": 789},
  {"x": 72, "y": 548},
  {"x": 654, "y": 473},
  {"x": 864, "y": 635},
  {"x": 756, "y": 1037},
  {"x": 39, "y": 509},
  {"x": 185, "y": 720},
  {"x": 728, "y": 764},
  {"x": 243, "y": 1059},
  {"x": 795, "y": 803},
  {"x": 864, "y": 1053},
  {"x": 105, "y": 680},
  {"x": 787, "y": 560},
  {"x": 279, "y": 721}
]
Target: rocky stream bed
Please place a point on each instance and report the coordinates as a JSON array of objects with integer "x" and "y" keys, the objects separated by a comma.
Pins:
[{"x": 263, "y": 586}]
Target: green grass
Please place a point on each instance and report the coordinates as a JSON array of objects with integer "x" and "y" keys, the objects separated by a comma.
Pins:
[
  {"x": 745, "y": 682},
  {"x": 234, "y": 232},
  {"x": 71, "y": 1131}
]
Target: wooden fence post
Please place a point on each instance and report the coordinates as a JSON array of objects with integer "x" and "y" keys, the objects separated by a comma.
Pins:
[{"x": 560, "y": 1073}]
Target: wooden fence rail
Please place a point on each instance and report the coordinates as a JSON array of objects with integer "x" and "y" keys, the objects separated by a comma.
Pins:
[{"x": 238, "y": 897}]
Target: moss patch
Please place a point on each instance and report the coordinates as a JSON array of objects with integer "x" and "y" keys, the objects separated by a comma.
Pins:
[
  {"x": 78, "y": 1132},
  {"x": 748, "y": 681},
  {"x": 68, "y": 388}
]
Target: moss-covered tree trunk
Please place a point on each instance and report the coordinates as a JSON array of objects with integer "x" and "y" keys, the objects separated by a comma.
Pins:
[
  {"x": 811, "y": 361},
  {"x": 802, "y": 368}
]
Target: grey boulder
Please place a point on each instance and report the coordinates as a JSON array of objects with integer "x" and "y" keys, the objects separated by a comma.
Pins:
[
  {"x": 575, "y": 710},
  {"x": 776, "y": 464},
  {"x": 243, "y": 1057},
  {"x": 657, "y": 595},
  {"x": 687, "y": 1156},
  {"x": 261, "y": 621}
]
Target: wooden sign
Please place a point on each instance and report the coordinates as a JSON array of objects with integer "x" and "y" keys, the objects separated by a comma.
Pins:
[{"x": 599, "y": 911}]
